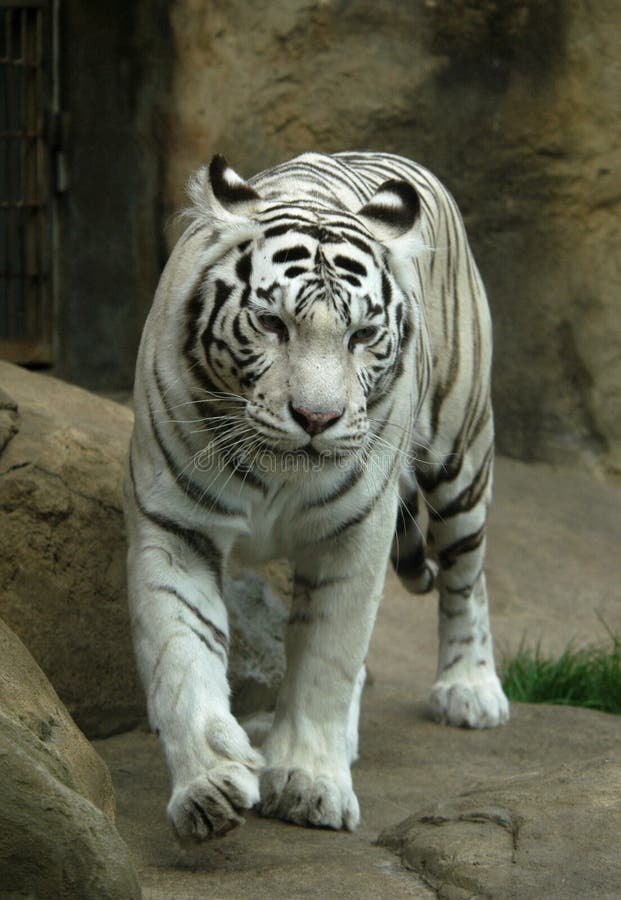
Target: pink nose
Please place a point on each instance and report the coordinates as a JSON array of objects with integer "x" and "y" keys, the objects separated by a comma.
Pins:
[{"x": 314, "y": 421}]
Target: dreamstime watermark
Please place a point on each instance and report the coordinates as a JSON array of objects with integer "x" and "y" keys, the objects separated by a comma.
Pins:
[{"x": 301, "y": 461}]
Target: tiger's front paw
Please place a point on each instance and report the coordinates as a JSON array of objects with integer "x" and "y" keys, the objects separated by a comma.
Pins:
[
  {"x": 210, "y": 805},
  {"x": 321, "y": 800},
  {"x": 476, "y": 702},
  {"x": 215, "y": 776}
]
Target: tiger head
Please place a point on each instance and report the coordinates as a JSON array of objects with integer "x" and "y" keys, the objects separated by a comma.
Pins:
[{"x": 306, "y": 310}]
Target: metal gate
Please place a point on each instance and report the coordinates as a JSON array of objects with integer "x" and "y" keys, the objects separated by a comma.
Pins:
[{"x": 26, "y": 301}]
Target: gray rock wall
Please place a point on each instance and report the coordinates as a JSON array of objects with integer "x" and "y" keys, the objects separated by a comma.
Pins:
[{"x": 515, "y": 105}]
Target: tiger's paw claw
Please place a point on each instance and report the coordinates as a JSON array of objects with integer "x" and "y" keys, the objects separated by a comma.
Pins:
[{"x": 296, "y": 796}]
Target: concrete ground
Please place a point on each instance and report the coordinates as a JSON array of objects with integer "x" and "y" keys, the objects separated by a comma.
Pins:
[{"x": 554, "y": 575}]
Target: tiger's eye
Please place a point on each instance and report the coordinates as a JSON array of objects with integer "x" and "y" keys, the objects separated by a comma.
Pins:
[
  {"x": 362, "y": 336},
  {"x": 272, "y": 324}
]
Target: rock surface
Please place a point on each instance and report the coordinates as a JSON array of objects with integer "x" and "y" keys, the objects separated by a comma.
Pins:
[
  {"x": 515, "y": 105},
  {"x": 553, "y": 566},
  {"x": 62, "y": 557},
  {"x": 57, "y": 834},
  {"x": 257, "y": 618},
  {"x": 62, "y": 547},
  {"x": 28, "y": 700},
  {"x": 496, "y": 840}
]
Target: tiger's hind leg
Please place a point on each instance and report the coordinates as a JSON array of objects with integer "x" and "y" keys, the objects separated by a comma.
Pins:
[
  {"x": 467, "y": 692},
  {"x": 409, "y": 556}
]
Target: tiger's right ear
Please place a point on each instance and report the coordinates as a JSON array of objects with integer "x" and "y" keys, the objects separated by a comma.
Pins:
[{"x": 220, "y": 195}]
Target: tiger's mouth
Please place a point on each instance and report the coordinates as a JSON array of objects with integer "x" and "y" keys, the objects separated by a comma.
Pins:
[
  {"x": 291, "y": 460},
  {"x": 301, "y": 461}
]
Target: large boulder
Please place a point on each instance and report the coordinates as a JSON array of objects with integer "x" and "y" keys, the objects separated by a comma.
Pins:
[
  {"x": 62, "y": 552},
  {"x": 550, "y": 834},
  {"x": 57, "y": 834},
  {"x": 62, "y": 557}
]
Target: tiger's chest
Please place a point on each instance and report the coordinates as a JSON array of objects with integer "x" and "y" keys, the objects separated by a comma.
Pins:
[
  {"x": 271, "y": 532},
  {"x": 293, "y": 515}
]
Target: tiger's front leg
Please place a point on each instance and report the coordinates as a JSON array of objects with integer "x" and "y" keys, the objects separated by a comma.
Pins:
[
  {"x": 313, "y": 741},
  {"x": 180, "y": 634}
]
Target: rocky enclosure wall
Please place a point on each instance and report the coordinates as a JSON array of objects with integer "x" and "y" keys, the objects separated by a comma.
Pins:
[{"x": 515, "y": 104}]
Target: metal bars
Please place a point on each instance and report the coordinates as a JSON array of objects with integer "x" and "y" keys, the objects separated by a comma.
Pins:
[{"x": 25, "y": 266}]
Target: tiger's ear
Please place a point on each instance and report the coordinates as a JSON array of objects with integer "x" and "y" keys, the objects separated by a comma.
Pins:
[
  {"x": 230, "y": 190},
  {"x": 219, "y": 194},
  {"x": 392, "y": 215},
  {"x": 392, "y": 211}
]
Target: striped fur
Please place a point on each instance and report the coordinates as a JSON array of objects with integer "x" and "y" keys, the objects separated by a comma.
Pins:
[{"x": 315, "y": 366}]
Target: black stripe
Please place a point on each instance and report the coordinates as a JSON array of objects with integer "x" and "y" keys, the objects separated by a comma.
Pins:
[
  {"x": 237, "y": 333},
  {"x": 277, "y": 230},
  {"x": 366, "y": 510},
  {"x": 337, "y": 231},
  {"x": 195, "y": 491},
  {"x": 386, "y": 290},
  {"x": 355, "y": 520},
  {"x": 352, "y": 265},
  {"x": 449, "y": 555},
  {"x": 352, "y": 479},
  {"x": 218, "y": 635},
  {"x": 291, "y": 254},
  {"x": 294, "y": 271},
  {"x": 198, "y": 542},
  {"x": 453, "y": 662},
  {"x": 243, "y": 268},
  {"x": 223, "y": 292},
  {"x": 309, "y": 583},
  {"x": 207, "y": 643},
  {"x": 468, "y": 433},
  {"x": 194, "y": 309},
  {"x": 468, "y": 498},
  {"x": 361, "y": 244}
]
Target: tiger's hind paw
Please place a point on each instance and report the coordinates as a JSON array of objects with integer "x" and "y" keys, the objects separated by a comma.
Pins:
[
  {"x": 470, "y": 703},
  {"x": 210, "y": 805}
]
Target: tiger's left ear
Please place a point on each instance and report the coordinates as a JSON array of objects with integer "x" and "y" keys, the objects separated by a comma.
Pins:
[
  {"x": 392, "y": 215},
  {"x": 392, "y": 211}
]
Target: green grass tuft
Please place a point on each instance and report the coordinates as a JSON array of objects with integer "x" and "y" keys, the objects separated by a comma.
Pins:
[{"x": 589, "y": 677}]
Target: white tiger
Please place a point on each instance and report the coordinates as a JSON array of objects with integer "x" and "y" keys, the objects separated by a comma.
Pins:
[{"x": 318, "y": 349}]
